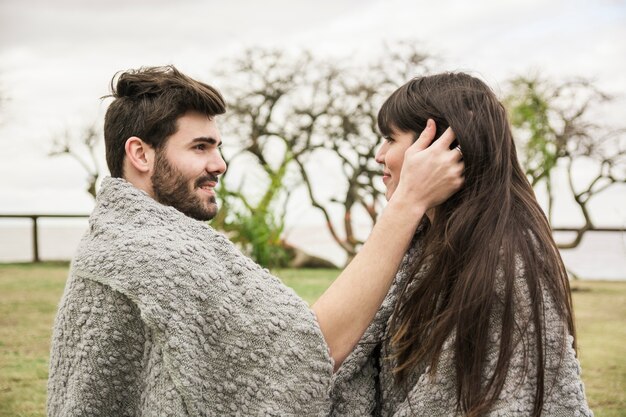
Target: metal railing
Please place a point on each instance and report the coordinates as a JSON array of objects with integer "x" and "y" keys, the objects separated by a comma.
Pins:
[
  {"x": 36, "y": 217},
  {"x": 35, "y": 230}
]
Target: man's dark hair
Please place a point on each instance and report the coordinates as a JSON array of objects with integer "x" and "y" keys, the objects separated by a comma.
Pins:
[{"x": 147, "y": 103}]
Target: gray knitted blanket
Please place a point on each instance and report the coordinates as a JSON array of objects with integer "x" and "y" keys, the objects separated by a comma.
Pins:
[
  {"x": 364, "y": 384},
  {"x": 163, "y": 316}
]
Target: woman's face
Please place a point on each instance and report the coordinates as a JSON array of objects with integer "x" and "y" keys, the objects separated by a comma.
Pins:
[{"x": 391, "y": 156}]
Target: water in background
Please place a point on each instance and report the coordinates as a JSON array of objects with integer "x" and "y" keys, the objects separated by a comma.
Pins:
[{"x": 599, "y": 256}]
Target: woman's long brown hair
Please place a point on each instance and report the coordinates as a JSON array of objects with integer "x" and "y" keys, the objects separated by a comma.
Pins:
[{"x": 476, "y": 242}]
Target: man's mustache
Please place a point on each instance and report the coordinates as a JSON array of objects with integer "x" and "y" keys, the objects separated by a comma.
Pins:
[{"x": 206, "y": 178}]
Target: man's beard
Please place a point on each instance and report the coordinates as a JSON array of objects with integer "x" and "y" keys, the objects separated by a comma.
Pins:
[{"x": 172, "y": 189}]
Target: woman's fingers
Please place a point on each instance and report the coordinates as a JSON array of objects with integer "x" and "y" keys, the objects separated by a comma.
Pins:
[
  {"x": 425, "y": 138},
  {"x": 432, "y": 171},
  {"x": 446, "y": 139}
]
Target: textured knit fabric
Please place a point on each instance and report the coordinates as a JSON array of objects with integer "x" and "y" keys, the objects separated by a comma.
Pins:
[
  {"x": 163, "y": 316},
  {"x": 364, "y": 384}
]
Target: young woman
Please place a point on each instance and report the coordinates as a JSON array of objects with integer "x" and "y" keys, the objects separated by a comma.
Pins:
[{"x": 479, "y": 320}]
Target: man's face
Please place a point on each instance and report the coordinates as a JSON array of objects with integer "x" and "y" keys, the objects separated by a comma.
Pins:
[{"x": 186, "y": 169}]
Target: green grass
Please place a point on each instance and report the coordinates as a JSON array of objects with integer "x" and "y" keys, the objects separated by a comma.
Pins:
[
  {"x": 29, "y": 295},
  {"x": 308, "y": 283},
  {"x": 28, "y": 298},
  {"x": 600, "y": 314}
]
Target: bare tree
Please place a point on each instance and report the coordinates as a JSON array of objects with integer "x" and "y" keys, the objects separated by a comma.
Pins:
[
  {"x": 83, "y": 150},
  {"x": 554, "y": 124},
  {"x": 291, "y": 110}
]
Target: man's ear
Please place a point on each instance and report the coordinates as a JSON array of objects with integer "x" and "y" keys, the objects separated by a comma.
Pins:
[{"x": 139, "y": 154}]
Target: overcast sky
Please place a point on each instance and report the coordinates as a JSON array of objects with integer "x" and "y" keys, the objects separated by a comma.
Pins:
[{"x": 57, "y": 58}]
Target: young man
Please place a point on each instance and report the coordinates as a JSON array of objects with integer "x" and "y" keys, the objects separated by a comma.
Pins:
[{"x": 163, "y": 316}]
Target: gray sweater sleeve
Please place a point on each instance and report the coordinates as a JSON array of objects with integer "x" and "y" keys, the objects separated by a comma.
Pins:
[{"x": 95, "y": 357}]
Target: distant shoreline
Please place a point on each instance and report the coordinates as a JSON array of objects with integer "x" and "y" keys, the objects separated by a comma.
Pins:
[{"x": 601, "y": 255}]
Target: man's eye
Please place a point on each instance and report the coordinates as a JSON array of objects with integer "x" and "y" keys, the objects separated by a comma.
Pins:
[{"x": 200, "y": 147}]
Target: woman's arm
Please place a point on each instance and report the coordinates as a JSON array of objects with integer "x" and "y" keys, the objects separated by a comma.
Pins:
[{"x": 429, "y": 176}]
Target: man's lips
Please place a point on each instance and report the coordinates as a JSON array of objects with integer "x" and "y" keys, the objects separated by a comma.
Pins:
[{"x": 207, "y": 187}]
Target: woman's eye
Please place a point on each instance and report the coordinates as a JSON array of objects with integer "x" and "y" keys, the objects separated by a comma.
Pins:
[{"x": 389, "y": 139}]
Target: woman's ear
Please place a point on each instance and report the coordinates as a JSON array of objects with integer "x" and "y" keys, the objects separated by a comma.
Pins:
[{"x": 139, "y": 154}]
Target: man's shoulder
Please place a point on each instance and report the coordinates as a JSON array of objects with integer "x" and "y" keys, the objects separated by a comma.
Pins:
[
  {"x": 84, "y": 297},
  {"x": 150, "y": 236},
  {"x": 154, "y": 255}
]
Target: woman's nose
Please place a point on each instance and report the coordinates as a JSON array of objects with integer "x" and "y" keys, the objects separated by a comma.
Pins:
[{"x": 380, "y": 155}]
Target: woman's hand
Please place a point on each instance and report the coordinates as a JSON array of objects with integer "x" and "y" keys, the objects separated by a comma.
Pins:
[{"x": 431, "y": 172}]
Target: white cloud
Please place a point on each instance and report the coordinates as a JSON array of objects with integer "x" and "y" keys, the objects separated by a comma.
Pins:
[{"x": 56, "y": 58}]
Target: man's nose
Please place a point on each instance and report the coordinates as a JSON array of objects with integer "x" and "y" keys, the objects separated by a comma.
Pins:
[{"x": 217, "y": 165}]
